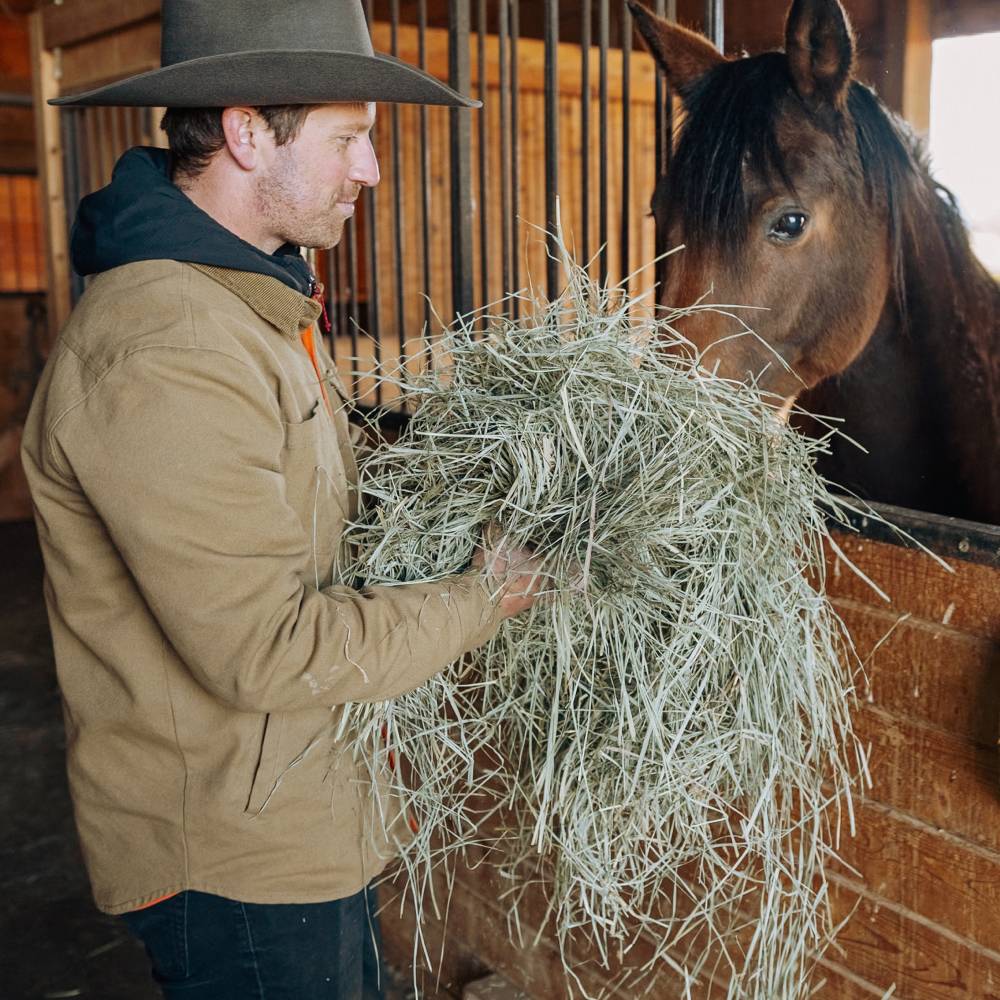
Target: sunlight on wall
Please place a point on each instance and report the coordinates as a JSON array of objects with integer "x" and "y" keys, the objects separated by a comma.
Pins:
[{"x": 965, "y": 133}]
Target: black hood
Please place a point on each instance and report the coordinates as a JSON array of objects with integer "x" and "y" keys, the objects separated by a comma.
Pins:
[{"x": 141, "y": 215}]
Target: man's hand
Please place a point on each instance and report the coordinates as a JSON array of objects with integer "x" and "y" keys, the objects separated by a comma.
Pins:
[{"x": 518, "y": 571}]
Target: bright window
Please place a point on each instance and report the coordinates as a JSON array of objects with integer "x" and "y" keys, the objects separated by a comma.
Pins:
[{"x": 965, "y": 133}]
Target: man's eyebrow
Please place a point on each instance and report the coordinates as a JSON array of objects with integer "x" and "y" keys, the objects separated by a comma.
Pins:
[{"x": 358, "y": 125}]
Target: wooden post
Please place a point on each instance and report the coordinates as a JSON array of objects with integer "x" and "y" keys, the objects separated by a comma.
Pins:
[
  {"x": 917, "y": 66},
  {"x": 45, "y": 85}
]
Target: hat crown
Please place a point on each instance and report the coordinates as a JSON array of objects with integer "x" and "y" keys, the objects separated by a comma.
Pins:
[{"x": 192, "y": 29}]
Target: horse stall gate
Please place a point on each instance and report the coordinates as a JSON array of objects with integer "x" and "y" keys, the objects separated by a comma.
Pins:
[{"x": 458, "y": 221}]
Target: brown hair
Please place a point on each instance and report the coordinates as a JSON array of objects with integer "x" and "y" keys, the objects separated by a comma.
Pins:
[{"x": 195, "y": 134}]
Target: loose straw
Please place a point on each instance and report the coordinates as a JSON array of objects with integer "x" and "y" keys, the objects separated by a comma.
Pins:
[{"x": 664, "y": 744}]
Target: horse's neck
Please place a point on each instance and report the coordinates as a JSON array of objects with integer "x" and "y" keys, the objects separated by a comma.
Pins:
[
  {"x": 951, "y": 327},
  {"x": 884, "y": 402}
]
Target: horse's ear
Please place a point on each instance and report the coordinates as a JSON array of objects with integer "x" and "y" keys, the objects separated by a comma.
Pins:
[
  {"x": 682, "y": 55},
  {"x": 819, "y": 44}
]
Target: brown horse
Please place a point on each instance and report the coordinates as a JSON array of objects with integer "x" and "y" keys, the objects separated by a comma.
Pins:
[{"x": 796, "y": 190}]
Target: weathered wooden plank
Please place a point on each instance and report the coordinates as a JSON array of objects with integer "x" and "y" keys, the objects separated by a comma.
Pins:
[
  {"x": 71, "y": 23},
  {"x": 927, "y": 672},
  {"x": 966, "y": 599},
  {"x": 50, "y": 175},
  {"x": 944, "y": 781},
  {"x": 941, "y": 878},
  {"x": 134, "y": 49},
  {"x": 884, "y": 945}
]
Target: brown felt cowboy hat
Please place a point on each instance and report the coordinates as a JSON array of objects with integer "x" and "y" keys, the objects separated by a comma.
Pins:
[{"x": 221, "y": 53}]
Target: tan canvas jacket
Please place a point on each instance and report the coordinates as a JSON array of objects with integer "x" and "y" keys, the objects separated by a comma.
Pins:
[{"x": 190, "y": 491}]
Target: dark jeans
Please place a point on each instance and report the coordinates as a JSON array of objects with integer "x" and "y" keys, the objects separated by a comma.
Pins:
[{"x": 205, "y": 947}]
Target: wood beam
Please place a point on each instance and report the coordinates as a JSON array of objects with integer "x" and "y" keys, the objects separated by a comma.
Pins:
[
  {"x": 50, "y": 181},
  {"x": 74, "y": 22}
]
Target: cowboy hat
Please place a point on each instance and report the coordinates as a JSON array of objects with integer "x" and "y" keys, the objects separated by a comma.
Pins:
[{"x": 221, "y": 53}]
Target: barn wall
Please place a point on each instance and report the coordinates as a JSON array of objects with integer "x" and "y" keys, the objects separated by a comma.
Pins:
[
  {"x": 926, "y": 857},
  {"x": 22, "y": 258}
]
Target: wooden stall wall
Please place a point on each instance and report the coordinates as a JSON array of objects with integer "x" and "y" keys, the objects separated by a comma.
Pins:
[
  {"x": 528, "y": 235},
  {"x": 922, "y": 875},
  {"x": 22, "y": 258}
]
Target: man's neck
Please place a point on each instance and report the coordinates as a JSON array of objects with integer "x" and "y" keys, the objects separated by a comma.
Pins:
[{"x": 222, "y": 201}]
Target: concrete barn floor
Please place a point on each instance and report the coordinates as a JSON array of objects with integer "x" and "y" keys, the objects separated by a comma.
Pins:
[{"x": 53, "y": 941}]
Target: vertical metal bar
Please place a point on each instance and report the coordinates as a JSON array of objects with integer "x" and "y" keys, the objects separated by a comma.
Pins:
[
  {"x": 69, "y": 122},
  {"x": 551, "y": 142},
  {"x": 602, "y": 35},
  {"x": 37, "y": 241},
  {"x": 585, "y": 133},
  {"x": 460, "y": 135},
  {"x": 331, "y": 288},
  {"x": 659, "y": 106},
  {"x": 715, "y": 26},
  {"x": 425, "y": 172},
  {"x": 371, "y": 232},
  {"x": 484, "y": 174},
  {"x": 506, "y": 220},
  {"x": 626, "y": 232},
  {"x": 664, "y": 145},
  {"x": 515, "y": 152},
  {"x": 352, "y": 273},
  {"x": 15, "y": 244},
  {"x": 397, "y": 192}
]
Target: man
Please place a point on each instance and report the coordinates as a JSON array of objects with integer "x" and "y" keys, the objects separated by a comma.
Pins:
[{"x": 191, "y": 465}]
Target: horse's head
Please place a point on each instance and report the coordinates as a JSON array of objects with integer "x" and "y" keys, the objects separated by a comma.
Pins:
[{"x": 781, "y": 190}]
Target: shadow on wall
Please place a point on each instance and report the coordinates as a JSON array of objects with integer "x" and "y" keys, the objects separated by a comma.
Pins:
[{"x": 22, "y": 322}]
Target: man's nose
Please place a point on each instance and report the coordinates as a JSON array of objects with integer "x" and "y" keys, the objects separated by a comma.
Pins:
[{"x": 364, "y": 170}]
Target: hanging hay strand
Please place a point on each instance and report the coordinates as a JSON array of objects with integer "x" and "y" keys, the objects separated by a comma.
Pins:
[{"x": 665, "y": 741}]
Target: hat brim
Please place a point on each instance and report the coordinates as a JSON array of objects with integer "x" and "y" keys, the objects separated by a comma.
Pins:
[{"x": 275, "y": 77}]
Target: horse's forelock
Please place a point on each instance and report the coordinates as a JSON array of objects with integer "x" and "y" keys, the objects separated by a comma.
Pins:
[{"x": 731, "y": 119}]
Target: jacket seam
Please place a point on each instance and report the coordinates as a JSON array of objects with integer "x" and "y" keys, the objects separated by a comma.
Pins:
[
  {"x": 180, "y": 753},
  {"x": 54, "y": 426}
]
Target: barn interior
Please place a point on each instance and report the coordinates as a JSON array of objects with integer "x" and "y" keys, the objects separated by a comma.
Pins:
[{"x": 920, "y": 885}]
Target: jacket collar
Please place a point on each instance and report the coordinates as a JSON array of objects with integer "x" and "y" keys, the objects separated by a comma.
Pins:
[{"x": 283, "y": 307}]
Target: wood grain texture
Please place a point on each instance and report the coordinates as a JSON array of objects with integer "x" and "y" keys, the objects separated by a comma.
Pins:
[
  {"x": 920, "y": 881},
  {"x": 50, "y": 175}
]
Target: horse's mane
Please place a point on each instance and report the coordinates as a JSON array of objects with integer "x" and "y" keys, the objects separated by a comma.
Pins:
[
  {"x": 942, "y": 294},
  {"x": 732, "y": 114}
]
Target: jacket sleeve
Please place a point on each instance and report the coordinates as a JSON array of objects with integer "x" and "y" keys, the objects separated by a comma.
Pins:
[{"x": 178, "y": 451}]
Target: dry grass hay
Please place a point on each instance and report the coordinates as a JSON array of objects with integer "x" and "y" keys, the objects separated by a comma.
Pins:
[{"x": 668, "y": 736}]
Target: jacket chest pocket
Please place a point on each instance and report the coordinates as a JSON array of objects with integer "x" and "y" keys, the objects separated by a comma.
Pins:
[{"x": 316, "y": 486}]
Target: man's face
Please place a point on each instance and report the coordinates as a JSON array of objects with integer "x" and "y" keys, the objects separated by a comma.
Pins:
[{"x": 307, "y": 187}]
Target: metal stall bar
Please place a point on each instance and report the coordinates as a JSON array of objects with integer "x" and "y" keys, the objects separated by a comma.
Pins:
[
  {"x": 355, "y": 321},
  {"x": 425, "y": 175},
  {"x": 626, "y": 93},
  {"x": 515, "y": 151},
  {"x": 371, "y": 233},
  {"x": 715, "y": 22},
  {"x": 14, "y": 242},
  {"x": 664, "y": 118},
  {"x": 551, "y": 142},
  {"x": 69, "y": 123},
  {"x": 397, "y": 191},
  {"x": 602, "y": 34},
  {"x": 505, "y": 161},
  {"x": 483, "y": 202},
  {"x": 664, "y": 139},
  {"x": 460, "y": 141},
  {"x": 331, "y": 288},
  {"x": 585, "y": 133}
]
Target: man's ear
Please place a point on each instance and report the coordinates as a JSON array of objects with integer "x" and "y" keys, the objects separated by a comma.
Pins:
[
  {"x": 683, "y": 55},
  {"x": 819, "y": 45},
  {"x": 239, "y": 127}
]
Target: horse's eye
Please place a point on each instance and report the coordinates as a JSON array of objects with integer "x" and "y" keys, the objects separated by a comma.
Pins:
[{"x": 790, "y": 226}]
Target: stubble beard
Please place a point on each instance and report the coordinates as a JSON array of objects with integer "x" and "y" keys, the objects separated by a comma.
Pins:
[{"x": 280, "y": 197}]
